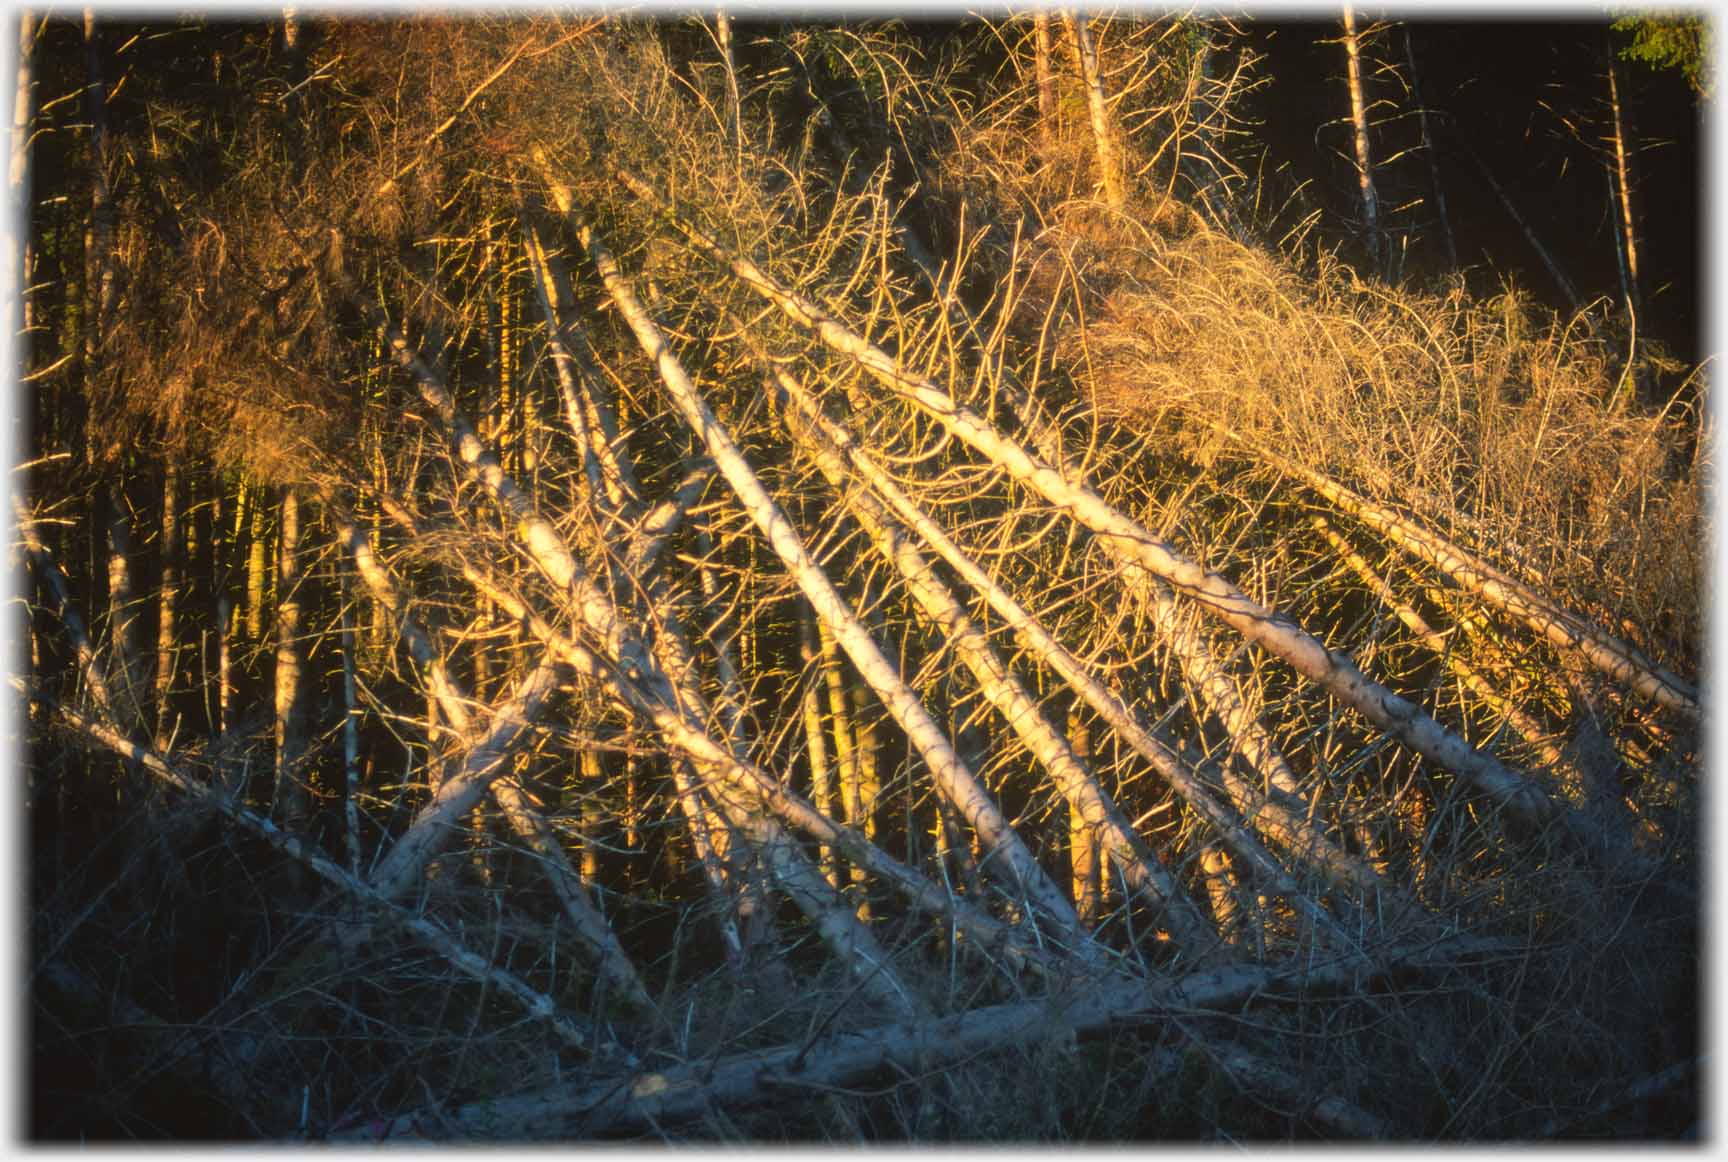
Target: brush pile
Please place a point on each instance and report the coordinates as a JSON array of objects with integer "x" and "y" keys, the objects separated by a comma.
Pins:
[{"x": 833, "y": 592}]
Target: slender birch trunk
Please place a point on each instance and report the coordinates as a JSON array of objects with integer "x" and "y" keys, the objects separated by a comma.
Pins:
[
  {"x": 351, "y": 716},
  {"x": 83, "y": 648},
  {"x": 1527, "y": 728},
  {"x": 840, "y": 723},
  {"x": 732, "y": 703},
  {"x": 293, "y": 803},
  {"x": 1628, "y": 231},
  {"x": 1552, "y": 264},
  {"x": 816, "y": 740},
  {"x": 256, "y": 565},
  {"x": 101, "y": 275},
  {"x": 529, "y": 823},
  {"x": 734, "y": 124},
  {"x": 868, "y": 787},
  {"x": 225, "y": 625},
  {"x": 15, "y": 279},
  {"x": 1083, "y": 861},
  {"x": 590, "y": 779},
  {"x": 487, "y": 760},
  {"x": 1097, "y": 108},
  {"x": 1221, "y": 893},
  {"x": 167, "y": 593},
  {"x": 1046, "y": 81},
  {"x": 124, "y": 624},
  {"x": 1359, "y": 134},
  {"x": 551, "y": 294}
]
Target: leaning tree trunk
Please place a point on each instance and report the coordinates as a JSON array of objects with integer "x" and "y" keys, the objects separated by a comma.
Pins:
[
  {"x": 1333, "y": 672},
  {"x": 1001, "y": 689},
  {"x": 957, "y": 782},
  {"x": 1563, "y": 628}
]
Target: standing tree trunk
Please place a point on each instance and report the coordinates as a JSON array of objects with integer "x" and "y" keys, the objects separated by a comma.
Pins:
[
  {"x": 1623, "y": 187},
  {"x": 15, "y": 281},
  {"x": 1046, "y": 76},
  {"x": 588, "y": 787},
  {"x": 869, "y": 784},
  {"x": 734, "y": 122},
  {"x": 350, "y": 736},
  {"x": 1359, "y": 122},
  {"x": 256, "y": 560},
  {"x": 165, "y": 651},
  {"x": 292, "y": 802},
  {"x": 1083, "y": 853},
  {"x": 123, "y": 623},
  {"x": 1221, "y": 892},
  {"x": 821, "y": 786},
  {"x": 1086, "y": 58},
  {"x": 223, "y": 538},
  {"x": 840, "y": 722},
  {"x": 100, "y": 267}
]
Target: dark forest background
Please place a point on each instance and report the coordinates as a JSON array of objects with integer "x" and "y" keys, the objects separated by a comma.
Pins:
[{"x": 1530, "y": 98}]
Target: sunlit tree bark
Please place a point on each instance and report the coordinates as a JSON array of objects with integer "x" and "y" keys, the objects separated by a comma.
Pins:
[
  {"x": 1359, "y": 137},
  {"x": 1097, "y": 108},
  {"x": 292, "y": 800},
  {"x": 1043, "y": 53}
]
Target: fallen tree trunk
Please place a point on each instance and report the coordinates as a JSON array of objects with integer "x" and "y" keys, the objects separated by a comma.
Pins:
[
  {"x": 956, "y": 781},
  {"x": 518, "y": 809},
  {"x": 1333, "y": 672},
  {"x": 1520, "y": 721},
  {"x": 1266, "y": 815},
  {"x": 686, "y": 736},
  {"x": 648, "y": 1099},
  {"x": 535, "y": 1004},
  {"x": 743, "y": 827},
  {"x": 486, "y": 761},
  {"x": 667, "y": 688},
  {"x": 1005, "y": 692},
  {"x": 1565, "y": 629}
]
